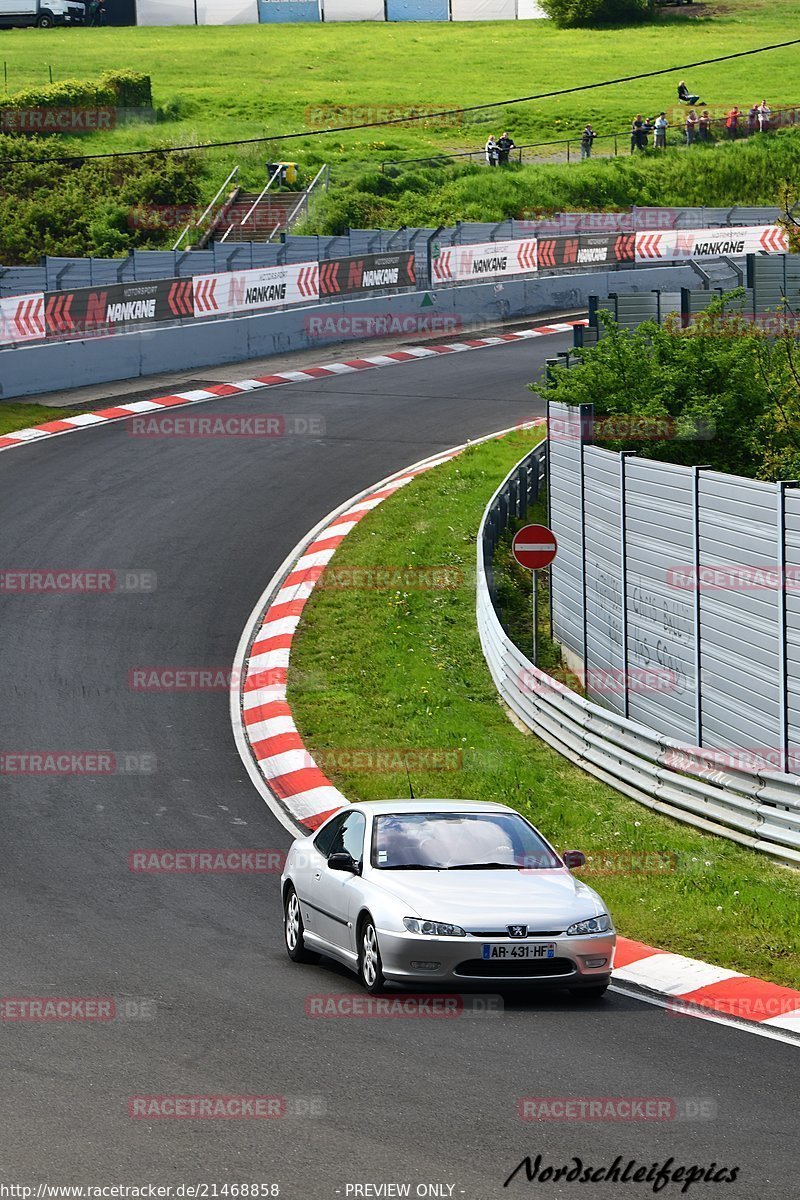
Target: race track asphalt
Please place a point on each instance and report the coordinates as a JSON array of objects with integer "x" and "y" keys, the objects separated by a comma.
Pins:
[{"x": 412, "y": 1101}]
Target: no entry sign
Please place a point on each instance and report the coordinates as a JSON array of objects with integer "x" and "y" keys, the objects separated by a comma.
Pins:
[{"x": 534, "y": 547}]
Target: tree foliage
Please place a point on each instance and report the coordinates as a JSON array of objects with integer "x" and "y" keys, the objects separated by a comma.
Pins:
[
  {"x": 90, "y": 206},
  {"x": 723, "y": 392}
]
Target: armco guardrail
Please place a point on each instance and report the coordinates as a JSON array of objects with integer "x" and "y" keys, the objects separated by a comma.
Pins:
[{"x": 757, "y": 809}]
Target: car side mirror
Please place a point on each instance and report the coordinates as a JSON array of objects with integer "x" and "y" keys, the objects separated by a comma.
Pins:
[
  {"x": 573, "y": 859},
  {"x": 342, "y": 861}
]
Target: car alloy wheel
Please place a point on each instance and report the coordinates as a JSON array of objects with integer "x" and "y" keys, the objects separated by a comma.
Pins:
[
  {"x": 370, "y": 966},
  {"x": 293, "y": 928}
]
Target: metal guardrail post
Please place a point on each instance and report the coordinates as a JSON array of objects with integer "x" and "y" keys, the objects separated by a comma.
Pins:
[
  {"x": 698, "y": 648},
  {"x": 586, "y": 414},
  {"x": 783, "y": 677},
  {"x": 623, "y": 575}
]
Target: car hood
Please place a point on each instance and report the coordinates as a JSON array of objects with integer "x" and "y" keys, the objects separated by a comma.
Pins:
[{"x": 489, "y": 900}]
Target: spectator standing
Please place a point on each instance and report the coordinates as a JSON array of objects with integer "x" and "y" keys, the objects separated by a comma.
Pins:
[
  {"x": 587, "y": 137},
  {"x": 732, "y": 122},
  {"x": 764, "y": 114},
  {"x": 491, "y": 151},
  {"x": 704, "y": 126},
  {"x": 505, "y": 145},
  {"x": 637, "y": 125},
  {"x": 752, "y": 119},
  {"x": 691, "y": 126},
  {"x": 644, "y": 136},
  {"x": 661, "y": 124}
]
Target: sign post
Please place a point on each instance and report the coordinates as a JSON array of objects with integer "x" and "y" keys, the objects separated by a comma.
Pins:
[{"x": 534, "y": 547}]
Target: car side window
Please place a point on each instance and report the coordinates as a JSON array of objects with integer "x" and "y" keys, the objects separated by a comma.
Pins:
[
  {"x": 324, "y": 839},
  {"x": 350, "y": 836}
]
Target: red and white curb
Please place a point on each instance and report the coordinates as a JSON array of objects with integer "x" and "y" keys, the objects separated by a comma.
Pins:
[
  {"x": 298, "y": 792},
  {"x": 302, "y": 797},
  {"x": 123, "y": 412}
]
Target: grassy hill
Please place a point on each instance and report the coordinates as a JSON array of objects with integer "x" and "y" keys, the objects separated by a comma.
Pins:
[
  {"x": 223, "y": 83},
  {"x": 238, "y": 82}
]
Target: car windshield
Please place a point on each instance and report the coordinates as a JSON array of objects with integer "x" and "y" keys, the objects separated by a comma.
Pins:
[{"x": 458, "y": 842}]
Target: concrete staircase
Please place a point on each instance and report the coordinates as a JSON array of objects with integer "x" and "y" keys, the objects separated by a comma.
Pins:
[{"x": 269, "y": 217}]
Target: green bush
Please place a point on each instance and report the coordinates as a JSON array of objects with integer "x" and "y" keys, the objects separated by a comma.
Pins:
[
  {"x": 87, "y": 207},
  {"x": 121, "y": 89},
  {"x": 571, "y": 14},
  {"x": 722, "y": 392},
  {"x": 131, "y": 89}
]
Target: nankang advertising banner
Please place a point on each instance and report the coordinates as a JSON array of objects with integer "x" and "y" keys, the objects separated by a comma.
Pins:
[
  {"x": 484, "y": 260},
  {"x": 248, "y": 291},
  {"x": 106, "y": 309},
  {"x": 22, "y": 319},
  {"x": 366, "y": 273},
  {"x": 733, "y": 241},
  {"x": 283, "y": 11}
]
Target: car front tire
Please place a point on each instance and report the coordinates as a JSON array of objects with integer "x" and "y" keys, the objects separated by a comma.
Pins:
[
  {"x": 370, "y": 964},
  {"x": 293, "y": 928},
  {"x": 45, "y": 22}
]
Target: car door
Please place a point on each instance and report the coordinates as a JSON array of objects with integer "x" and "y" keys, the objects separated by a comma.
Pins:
[
  {"x": 307, "y": 869},
  {"x": 335, "y": 889}
]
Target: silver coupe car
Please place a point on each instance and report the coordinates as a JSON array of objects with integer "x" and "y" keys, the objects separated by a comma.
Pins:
[{"x": 444, "y": 891}]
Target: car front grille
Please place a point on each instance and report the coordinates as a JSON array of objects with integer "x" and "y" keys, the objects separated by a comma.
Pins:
[
  {"x": 531, "y": 968},
  {"x": 503, "y": 933}
]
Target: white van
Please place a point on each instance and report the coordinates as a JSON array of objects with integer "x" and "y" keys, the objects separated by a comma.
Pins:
[{"x": 44, "y": 13}]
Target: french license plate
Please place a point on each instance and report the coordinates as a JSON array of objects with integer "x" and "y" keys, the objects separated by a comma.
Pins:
[{"x": 534, "y": 950}]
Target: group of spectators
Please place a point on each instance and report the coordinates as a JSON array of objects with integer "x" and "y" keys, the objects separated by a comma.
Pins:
[
  {"x": 498, "y": 150},
  {"x": 697, "y": 127}
]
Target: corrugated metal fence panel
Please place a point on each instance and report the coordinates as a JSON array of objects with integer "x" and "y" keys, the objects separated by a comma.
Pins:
[
  {"x": 739, "y": 624},
  {"x": 659, "y": 537},
  {"x": 300, "y": 247},
  {"x": 477, "y": 231},
  {"x": 565, "y": 518},
  {"x": 199, "y": 262},
  {"x": 696, "y": 218},
  {"x": 792, "y": 525},
  {"x": 365, "y": 241},
  {"x": 605, "y": 663},
  {"x": 67, "y": 273},
  {"x": 767, "y": 278},
  {"x": 154, "y": 264},
  {"x": 632, "y": 309},
  {"x": 18, "y": 281},
  {"x": 773, "y": 279},
  {"x": 668, "y": 302},
  {"x": 753, "y": 215}
]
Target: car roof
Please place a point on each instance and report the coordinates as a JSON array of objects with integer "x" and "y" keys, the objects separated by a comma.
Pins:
[{"x": 383, "y": 807}]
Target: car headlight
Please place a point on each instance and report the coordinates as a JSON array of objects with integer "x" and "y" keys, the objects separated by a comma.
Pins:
[
  {"x": 433, "y": 928},
  {"x": 600, "y": 924}
]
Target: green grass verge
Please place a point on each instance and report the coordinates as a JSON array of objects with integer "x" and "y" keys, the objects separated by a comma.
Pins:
[
  {"x": 250, "y": 86},
  {"x": 20, "y": 416},
  {"x": 403, "y": 669}
]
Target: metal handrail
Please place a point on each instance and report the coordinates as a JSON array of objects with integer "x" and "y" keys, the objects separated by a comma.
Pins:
[
  {"x": 275, "y": 174},
  {"x": 324, "y": 170},
  {"x": 203, "y": 216}
]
